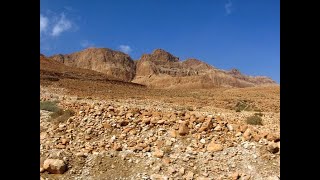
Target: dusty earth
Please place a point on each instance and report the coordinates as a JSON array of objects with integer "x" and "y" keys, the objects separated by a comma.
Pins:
[{"x": 124, "y": 131}]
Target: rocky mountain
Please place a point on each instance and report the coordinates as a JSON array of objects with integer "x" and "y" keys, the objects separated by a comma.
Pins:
[
  {"x": 115, "y": 64},
  {"x": 160, "y": 69},
  {"x": 53, "y": 70}
]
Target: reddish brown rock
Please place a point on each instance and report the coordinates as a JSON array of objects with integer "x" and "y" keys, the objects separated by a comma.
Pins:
[
  {"x": 207, "y": 125},
  {"x": 124, "y": 123},
  {"x": 173, "y": 133},
  {"x": 247, "y": 134},
  {"x": 117, "y": 147},
  {"x": 183, "y": 129},
  {"x": 55, "y": 166},
  {"x": 213, "y": 147},
  {"x": 158, "y": 153},
  {"x": 106, "y": 125}
]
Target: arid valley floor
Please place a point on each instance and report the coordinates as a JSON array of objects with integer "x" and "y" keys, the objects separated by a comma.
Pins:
[
  {"x": 93, "y": 128},
  {"x": 120, "y": 132}
]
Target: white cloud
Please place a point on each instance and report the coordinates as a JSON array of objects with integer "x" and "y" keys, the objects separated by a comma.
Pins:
[
  {"x": 44, "y": 21},
  {"x": 125, "y": 48},
  {"x": 228, "y": 7},
  {"x": 86, "y": 43},
  {"x": 52, "y": 25},
  {"x": 62, "y": 25}
]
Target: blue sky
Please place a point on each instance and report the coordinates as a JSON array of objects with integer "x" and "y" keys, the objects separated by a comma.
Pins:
[{"x": 242, "y": 34}]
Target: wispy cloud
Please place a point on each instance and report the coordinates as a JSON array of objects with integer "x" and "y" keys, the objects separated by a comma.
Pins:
[
  {"x": 62, "y": 25},
  {"x": 43, "y": 23},
  {"x": 86, "y": 43},
  {"x": 54, "y": 25},
  {"x": 125, "y": 48},
  {"x": 228, "y": 7}
]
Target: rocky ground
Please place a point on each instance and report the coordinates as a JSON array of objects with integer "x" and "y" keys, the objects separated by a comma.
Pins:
[{"x": 154, "y": 138}]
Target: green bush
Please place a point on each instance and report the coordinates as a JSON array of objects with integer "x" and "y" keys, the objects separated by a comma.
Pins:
[
  {"x": 57, "y": 115},
  {"x": 254, "y": 120},
  {"x": 49, "y": 106},
  {"x": 241, "y": 106}
]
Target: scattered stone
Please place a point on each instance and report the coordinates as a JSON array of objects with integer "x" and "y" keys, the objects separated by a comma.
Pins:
[
  {"x": 166, "y": 161},
  {"x": 273, "y": 137},
  {"x": 97, "y": 132},
  {"x": 238, "y": 134},
  {"x": 230, "y": 127},
  {"x": 43, "y": 135},
  {"x": 60, "y": 146},
  {"x": 247, "y": 134},
  {"x": 218, "y": 128},
  {"x": 64, "y": 141},
  {"x": 42, "y": 169},
  {"x": 181, "y": 171},
  {"x": 157, "y": 168},
  {"x": 158, "y": 153},
  {"x": 171, "y": 170},
  {"x": 173, "y": 133},
  {"x": 124, "y": 123},
  {"x": 80, "y": 154},
  {"x": 243, "y": 128},
  {"x": 235, "y": 176},
  {"x": 273, "y": 148},
  {"x": 189, "y": 175},
  {"x": 213, "y": 147},
  {"x": 206, "y": 125},
  {"x": 183, "y": 129},
  {"x": 158, "y": 177},
  {"x": 55, "y": 166},
  {"x": 117, "y": 147},
  {"x": 272, "y": 178}
]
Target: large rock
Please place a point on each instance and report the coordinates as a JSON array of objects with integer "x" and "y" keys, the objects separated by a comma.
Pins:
[{"x": 55, "y": 166}]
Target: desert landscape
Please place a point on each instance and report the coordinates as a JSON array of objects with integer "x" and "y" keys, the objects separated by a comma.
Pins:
[{"x": 104, "y": 115}]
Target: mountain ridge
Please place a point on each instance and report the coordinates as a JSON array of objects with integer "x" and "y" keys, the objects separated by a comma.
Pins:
[{"x": 159, "y": 69}]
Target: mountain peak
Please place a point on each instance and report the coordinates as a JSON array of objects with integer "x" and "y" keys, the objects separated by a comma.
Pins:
[
  {"x": 235, "y": 71},
  {"x": 161, "y": 56}
]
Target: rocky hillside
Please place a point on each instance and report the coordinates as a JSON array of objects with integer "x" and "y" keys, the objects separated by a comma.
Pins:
[
  {"x": 160, "y": 69},
  {"x": 52, "y": 70},
  {"x": 115, "y": 64}
]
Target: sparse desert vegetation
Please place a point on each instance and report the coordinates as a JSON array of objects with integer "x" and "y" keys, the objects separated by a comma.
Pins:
[
  {"x": 254, "y": 120},
  {"x": 57, "y": 114}
]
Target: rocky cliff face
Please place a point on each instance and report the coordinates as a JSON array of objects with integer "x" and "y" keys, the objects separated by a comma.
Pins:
[
  {"x": 114, "y": 64},
  {"x": 163, "y": 70},
  {"x": 160, "y": 69}
]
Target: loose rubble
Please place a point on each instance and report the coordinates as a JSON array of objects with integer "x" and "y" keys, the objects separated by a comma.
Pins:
[{"x": 115, "y": 139}]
